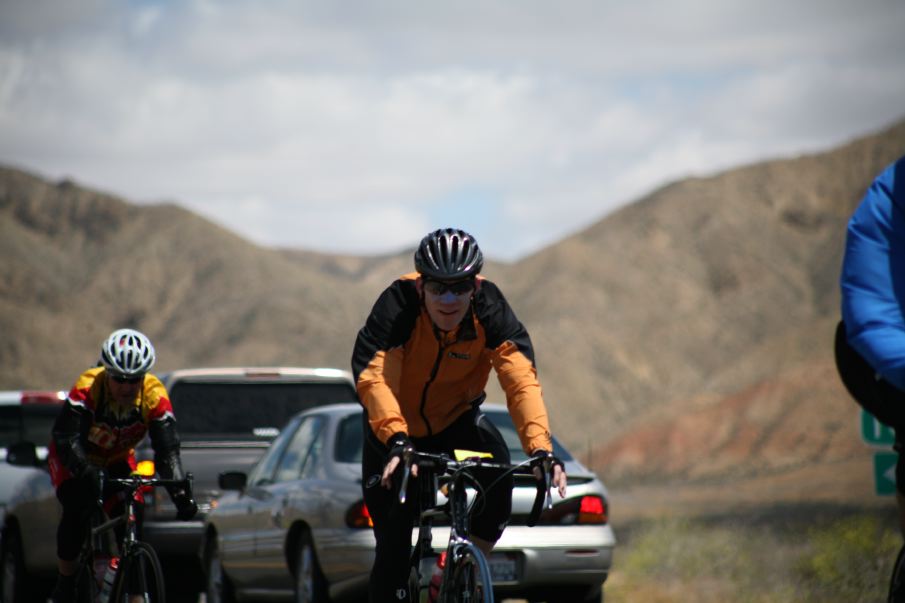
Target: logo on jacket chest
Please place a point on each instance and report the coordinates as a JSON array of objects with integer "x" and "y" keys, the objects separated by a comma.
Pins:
[
  {"x": 459, "y": 355},
  {"x": 117, "y": 427},
  {"x": 107, "y": 437}
]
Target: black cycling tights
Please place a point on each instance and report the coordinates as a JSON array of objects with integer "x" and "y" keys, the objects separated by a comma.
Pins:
[{"x": 393, "y": 523}]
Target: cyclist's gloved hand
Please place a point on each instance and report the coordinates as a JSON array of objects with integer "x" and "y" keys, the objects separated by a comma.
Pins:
[
  {"x": 397, "y": 444},
  {"x": 559, "y": 469},
  {"x": 186, "y": 507},
  {"x": 539, "y": 456},
  {"x": 91, "y": 476}
]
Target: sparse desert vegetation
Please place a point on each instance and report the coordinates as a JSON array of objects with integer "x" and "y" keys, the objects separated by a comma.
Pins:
[{"x": 790, "y": 556}]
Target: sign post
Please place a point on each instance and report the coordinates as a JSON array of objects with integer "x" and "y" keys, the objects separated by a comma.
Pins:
[
  {"x": 876, "y": 434},
  {"x": 885, "y": 472}
]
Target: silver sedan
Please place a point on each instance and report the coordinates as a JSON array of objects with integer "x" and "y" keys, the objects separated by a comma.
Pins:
[{"x": 296, "y": 527}]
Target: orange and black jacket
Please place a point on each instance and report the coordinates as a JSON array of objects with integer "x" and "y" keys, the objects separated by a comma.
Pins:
[{"x": 414, "y": 379}]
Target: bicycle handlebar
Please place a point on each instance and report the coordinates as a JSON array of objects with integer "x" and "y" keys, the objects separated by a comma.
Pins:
[
  {"x": 135, "y": 481},
  {"x": 442, "y": 463}
]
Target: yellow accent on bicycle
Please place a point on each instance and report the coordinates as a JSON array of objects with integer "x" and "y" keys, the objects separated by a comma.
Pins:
[
  {"x": 145, "y": 469},
  {"x": 461, "y": 455}
]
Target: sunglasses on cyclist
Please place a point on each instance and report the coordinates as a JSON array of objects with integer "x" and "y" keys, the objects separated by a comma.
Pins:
[
  {"x": 458, "y": 288},
  {"x": 126, "y": 378}
]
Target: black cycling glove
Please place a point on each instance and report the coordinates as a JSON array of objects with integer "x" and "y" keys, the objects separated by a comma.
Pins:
[
  {"x": 90, "y": 475},
  {"x": 539, "y": 456},
  {"x": 186, "y": 507},
  {"x": 398, "y": 444}
]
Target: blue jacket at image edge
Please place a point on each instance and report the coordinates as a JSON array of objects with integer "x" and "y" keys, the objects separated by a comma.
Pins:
[{"x": 873, "y": 275}]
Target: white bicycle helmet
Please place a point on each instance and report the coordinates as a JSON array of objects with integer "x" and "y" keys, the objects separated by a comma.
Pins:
[{"x": 127, "y": 352}]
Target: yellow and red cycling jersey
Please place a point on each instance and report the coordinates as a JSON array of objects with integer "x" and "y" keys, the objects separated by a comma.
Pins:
[
  {"x": 114, "y": 429},
  {"x": 414, "y": 379}
]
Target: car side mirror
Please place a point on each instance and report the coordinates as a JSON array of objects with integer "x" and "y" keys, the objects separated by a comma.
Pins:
[
  {"x": 22, "y": 454},
  {"x": 232, "y": 480}
]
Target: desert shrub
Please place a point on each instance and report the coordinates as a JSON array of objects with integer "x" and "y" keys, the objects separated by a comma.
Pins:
[
  {"x": 704, "y": 561},
  {"x": 679, "y": 559},
  {"x": 849, "y": 560}
]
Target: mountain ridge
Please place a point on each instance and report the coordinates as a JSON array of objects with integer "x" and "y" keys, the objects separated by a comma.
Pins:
[{"x": 706, "y": 295}]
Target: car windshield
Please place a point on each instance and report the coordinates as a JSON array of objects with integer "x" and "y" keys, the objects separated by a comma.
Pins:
[
  {"x": 349, "y": 438},
  {"x": 503, "y": 422},
  {"x": 30, "y": 423},
  {"x": 205, "y": 408}
]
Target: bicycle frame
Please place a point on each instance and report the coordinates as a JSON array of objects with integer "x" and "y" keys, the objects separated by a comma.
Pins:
[
  {"x": 130, "y": 548},
  {"x": 456, "y": 475}
]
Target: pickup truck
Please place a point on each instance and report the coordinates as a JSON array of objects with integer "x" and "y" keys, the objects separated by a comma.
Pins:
[{"x": 226, "y": 419}]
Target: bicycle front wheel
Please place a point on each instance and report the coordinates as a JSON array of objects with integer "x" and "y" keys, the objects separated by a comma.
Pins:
[
  {"x": 468, "y": 578},
  {"x": 139, "y": 576}
]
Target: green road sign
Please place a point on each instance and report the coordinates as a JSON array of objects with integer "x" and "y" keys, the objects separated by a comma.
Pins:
[
  {"x": 885, "y": 472},
  {"x": 874, "y": 432}
]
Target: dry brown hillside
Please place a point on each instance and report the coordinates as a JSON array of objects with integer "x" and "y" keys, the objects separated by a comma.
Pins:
[
  {"x": 82, "y": 262},
  {"x": 706, "y": 286},
  {"x": 701, "y": 315}
]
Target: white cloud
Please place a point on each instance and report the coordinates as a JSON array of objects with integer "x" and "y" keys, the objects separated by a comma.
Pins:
[
  {"x": 368, "y": 122},
  {"x": 369, "y": 226}
]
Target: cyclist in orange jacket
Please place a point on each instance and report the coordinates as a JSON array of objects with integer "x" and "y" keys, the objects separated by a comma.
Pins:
[
  {"x": 108, "y": 412},
  {"x": 421, "y": 363}
]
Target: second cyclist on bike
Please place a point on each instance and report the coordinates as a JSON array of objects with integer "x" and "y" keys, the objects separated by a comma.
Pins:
[
  {"x": 108, "y": 412},
  {"x": 421, "y": 363}
]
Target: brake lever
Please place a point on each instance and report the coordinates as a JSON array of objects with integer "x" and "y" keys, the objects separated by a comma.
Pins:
[
  {"x": 101, "y": 477},
  {"x": 545, "y": 500},
  {"x": 548, "y": 482},
  {"x": 189, "y": 487},
  {"x": 408, "y": 453}
]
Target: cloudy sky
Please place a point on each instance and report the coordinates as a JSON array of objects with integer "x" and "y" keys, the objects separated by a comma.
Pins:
[{"x": 355, "y": 127}]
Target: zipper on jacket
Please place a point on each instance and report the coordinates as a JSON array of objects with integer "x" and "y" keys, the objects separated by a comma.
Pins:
[{"x": 440, "y": 348}]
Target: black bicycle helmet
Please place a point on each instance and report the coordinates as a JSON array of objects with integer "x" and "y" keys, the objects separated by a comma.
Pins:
[{"x": 448, "y": 254}]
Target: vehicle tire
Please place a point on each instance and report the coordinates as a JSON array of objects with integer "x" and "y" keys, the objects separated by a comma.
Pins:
[
  {"x": 16, "y": 585},
  {"x": 310, "y": 584},
  {"x": 140, "y": 571},
  {"x": 469, "y": 577},
  {"x": 217, "y": 586}
]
